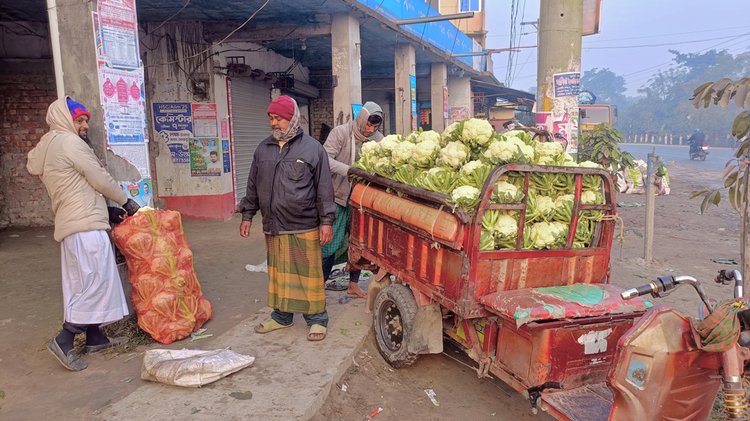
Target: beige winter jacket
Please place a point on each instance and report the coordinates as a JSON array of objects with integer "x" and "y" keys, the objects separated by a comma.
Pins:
[{"x": 74, "y": 177}]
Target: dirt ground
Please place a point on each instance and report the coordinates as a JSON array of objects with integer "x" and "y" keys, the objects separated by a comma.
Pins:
[
  {"x": 685, "y": 242},
  {"x": 33, "y": 386}
]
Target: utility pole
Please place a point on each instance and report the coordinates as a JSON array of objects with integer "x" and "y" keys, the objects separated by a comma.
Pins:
[
  {"x": 559, "y": 53},
  {"x": 648, "y": 237}
]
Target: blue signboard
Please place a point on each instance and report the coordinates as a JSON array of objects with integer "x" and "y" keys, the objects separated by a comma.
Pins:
[
  {"x": 443, "y": 35},
  {"x": 225, "y": 156},
  {"x": 567, "y": 84},
  {"x": 173, "y": 121}
]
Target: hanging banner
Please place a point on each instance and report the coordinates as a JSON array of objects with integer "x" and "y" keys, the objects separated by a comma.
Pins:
[
  {"x": 204, "y": 157},
  {"x": 123, "y": 102},
  {"x": 226, "y": 158},
  {"x": 567, "y": 84},
  {"x": 413, "y": 93},
  {"x": 174, "y": 123},
  {"x": 118, "y": 33},
  {"x": 205, "y": 120}
]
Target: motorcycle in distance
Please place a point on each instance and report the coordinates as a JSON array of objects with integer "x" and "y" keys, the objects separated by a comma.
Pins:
[
  {"x": 670, "y": 367},
  {"x": 699, "y": 152}
]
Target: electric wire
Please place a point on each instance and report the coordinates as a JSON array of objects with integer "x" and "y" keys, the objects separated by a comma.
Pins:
[{"x": 216, "y": 43}]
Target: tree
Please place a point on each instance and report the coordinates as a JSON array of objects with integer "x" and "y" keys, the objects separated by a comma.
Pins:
[
  {"x": 608, "y": 87},
  {"x": 737, "y": 172},
  {"x": 662, "y": 105}
]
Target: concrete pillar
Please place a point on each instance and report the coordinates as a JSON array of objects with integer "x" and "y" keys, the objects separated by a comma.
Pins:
[
  {"x": 438, "y": 86},
  {"x": 78, "y": 57},
  {"x": 560, "y": 28},
  {"x": 345, "y": 66},
  {"x": 461, "y": 105},
  {"x": 406, "y": 71}
]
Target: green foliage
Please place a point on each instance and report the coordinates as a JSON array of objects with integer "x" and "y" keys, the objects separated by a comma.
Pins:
[
  {"x": 602, "y": 145},
  {"x": 722, "y": 93}
]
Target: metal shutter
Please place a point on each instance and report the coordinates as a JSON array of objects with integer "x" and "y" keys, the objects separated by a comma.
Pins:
[{"x": 250, "y": 99}]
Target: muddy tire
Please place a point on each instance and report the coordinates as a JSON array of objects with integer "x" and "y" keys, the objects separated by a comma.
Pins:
[{"x": 393, "y": 319}]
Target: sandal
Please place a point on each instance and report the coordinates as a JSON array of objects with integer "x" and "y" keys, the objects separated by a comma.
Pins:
[
  {"x": 317, "y": 333},
  {"x": 71, "y": 360},
  {"x": 113, "y": 342},
  {"x": 270, "y": 325}
]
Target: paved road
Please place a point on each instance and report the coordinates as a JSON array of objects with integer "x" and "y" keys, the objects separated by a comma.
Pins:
[{"x": 717, "y": 157}]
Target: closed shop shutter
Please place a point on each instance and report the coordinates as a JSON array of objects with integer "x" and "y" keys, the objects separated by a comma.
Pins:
[{"x": 250, "y": 100}]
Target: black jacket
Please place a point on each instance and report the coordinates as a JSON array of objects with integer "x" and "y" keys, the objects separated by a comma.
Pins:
[{"x": 291, "y": 187}]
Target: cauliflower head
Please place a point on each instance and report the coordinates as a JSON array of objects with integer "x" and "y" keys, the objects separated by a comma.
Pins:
[
  {"x": 454, "y": 154},
  {"x": 477, "y": 131}
]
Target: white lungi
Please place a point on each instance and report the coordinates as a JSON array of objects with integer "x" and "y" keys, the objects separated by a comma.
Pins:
[{"x": 92, "y": 290}]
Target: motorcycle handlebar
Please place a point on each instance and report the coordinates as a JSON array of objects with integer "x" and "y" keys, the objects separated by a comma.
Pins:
[{"x": 638, "y": 291}]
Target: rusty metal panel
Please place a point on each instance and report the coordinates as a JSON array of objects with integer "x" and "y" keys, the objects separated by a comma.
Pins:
[
  {"x": 571, "y": 353},
  {"x": 587, "y": 403},
  {"x": 563, "y": 302}
]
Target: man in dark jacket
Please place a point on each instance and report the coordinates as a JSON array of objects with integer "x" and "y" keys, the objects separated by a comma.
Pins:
[{"x": 290, "y": 183}]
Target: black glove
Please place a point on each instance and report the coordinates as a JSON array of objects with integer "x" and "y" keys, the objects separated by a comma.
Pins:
[
  {"x": 131, "y": 207},
  {"x": 116, "y": 215}
]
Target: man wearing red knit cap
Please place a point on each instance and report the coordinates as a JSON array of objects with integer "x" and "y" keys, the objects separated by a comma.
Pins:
[{"x": 290, "y": 184}]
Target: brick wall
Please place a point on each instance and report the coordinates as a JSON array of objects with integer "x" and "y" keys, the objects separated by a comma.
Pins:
[
  {"x": 321, "y": 109},
  {"x": 26, "y": 91}
]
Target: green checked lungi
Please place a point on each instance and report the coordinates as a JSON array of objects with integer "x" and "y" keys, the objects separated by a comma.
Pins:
[{"x": 340, "y": 241}]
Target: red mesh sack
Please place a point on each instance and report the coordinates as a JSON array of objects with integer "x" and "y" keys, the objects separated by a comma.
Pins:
[{"x": 166, "y": 294}]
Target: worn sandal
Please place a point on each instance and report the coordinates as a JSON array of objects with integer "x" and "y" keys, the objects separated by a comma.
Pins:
[
  {"x": 270, "y": 325},
  {"x": 317, "y": 333},
  {"x": 113, "y": 342},
  {"x": 71, "y": 360}
]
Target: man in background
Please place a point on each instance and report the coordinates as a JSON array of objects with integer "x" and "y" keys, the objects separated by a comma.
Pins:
[{"x": 343, "y": 146}]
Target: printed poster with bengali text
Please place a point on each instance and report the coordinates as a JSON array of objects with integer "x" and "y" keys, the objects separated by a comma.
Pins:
[
  {"x": 123, "y": 102},
  {"x": 173, "y": 121},
  {"x": 205, "y": 157},
  {"x": 205, "y": 120},
  {"x": 118, "y": 32}
]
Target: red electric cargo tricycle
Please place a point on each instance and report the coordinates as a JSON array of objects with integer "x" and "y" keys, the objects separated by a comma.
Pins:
[{"x": 546, "y": 322}]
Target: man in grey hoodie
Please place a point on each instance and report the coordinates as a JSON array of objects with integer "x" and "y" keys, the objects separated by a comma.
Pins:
[{"x": 343, "y": 145}]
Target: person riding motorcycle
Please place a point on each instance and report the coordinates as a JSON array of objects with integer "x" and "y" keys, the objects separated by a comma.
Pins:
[{"x": 697, "y": 139}]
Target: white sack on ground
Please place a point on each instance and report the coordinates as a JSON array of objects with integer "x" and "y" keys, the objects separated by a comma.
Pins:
[
  {"x": 263, "y": 267},
  {"x": 191, "y": 368}
]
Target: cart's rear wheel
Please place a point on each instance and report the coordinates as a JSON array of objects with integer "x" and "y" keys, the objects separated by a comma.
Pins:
[{"x": 394, "y": 313}]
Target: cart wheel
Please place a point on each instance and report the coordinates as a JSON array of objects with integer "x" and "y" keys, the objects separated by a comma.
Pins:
[{"x": 393, "y": 316}]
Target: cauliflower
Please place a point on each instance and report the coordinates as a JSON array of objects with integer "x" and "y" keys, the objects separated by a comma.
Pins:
[
  {"x": 524, "y": 136},
  {"x": 402, "y": 152},
  {"x": 506, "y": 226},
  {"x": 438, "y": 179},
  {"x": 450, "y": 134},
  {"x": 548, "y": 149},
  {"x": 509, "y": 150},
  {"x": 465, "y": 197},
  {"x": 370, "y": 149},
  {"x": 568, "y": 160},
  {"x": 505, "y": 192},
  {"x": 412, "y": 137},
  {"x": 454, "y": 154},
  {"x": 389, "y": 143},
  {"x": 546, "y": 235},
  {"x": 384, "y": 166},
  {"x": 425, "y": 152},
  {"x": 589, "y": 197},
  {"x": 429, "y": 135},
  {"x": 470, "y": 166},
  {"x": 477, "y": 132},
  {"x": 500, "y": 152},
  {"x": 589, "y": 164},
  {"x": 539, "y": 208}
]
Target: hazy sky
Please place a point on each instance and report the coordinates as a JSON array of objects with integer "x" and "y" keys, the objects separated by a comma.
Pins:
[{"x": 634, "y": 39}]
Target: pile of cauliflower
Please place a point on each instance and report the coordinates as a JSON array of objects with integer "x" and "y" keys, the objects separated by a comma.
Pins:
[{"x": 457, "y": 163}]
